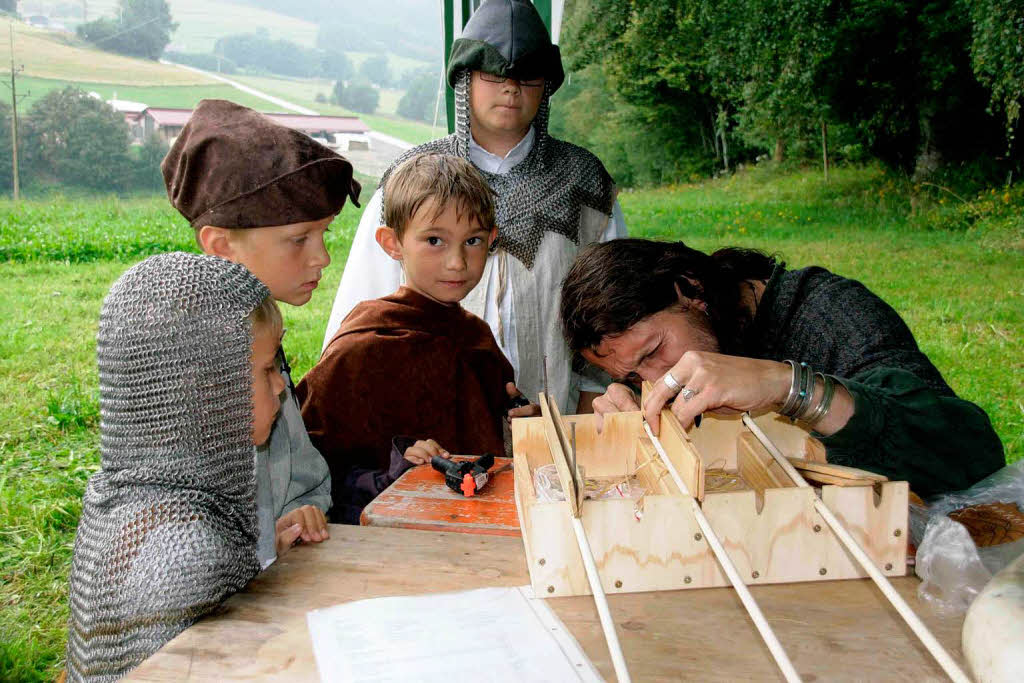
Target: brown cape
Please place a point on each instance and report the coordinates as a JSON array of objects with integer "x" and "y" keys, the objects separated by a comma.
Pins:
[{"x": 405, "y": 365}]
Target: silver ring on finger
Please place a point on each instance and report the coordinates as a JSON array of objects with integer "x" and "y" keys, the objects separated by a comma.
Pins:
[
  {"x": 671, "y": 382},
  {"x": 687, "y": 393}
]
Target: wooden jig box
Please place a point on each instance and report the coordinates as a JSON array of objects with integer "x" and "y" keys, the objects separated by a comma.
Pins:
[{"x": 768, "y": 525}]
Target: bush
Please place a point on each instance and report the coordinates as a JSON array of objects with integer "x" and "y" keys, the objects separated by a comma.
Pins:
[
  {"x": 360, "y": 97},
  {"x": 420, "y": 101}
]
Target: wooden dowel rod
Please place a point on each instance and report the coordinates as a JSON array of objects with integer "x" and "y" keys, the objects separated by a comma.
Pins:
[
  {"x": 850, "y": 543},
  {"x": 774, "y": 646},
  {"x": 557, "y": 445},
  {"x": 607, "y": 625}
]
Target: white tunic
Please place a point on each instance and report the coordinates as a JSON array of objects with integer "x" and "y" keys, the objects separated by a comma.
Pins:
[{"x": 370, "y": 273}]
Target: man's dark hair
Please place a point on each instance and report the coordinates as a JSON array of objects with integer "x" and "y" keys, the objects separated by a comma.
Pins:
[{"x": 614, "y": 285}]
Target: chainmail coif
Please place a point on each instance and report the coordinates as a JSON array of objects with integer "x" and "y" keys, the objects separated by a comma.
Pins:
[
  {"x": 168, "y": 526},
  {"x": 544, "y": 193}
]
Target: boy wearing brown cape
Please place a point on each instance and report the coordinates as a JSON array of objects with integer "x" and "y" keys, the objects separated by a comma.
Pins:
[{"x": 412, "y": 371}]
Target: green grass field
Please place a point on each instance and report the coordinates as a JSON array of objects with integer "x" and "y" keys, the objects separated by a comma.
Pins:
[
  {"x": 961, "y": 292},
  {"x": 179, "y": 96}
]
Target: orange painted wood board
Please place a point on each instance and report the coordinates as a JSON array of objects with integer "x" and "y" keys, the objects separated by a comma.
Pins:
[{"x": 419, "y": 499}]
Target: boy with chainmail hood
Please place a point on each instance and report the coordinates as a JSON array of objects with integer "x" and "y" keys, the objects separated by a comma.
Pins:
[
  {"x": 263, "y": 195},
  {"x": 170, "y": 523},
  {"x": 553, "y": 198}
]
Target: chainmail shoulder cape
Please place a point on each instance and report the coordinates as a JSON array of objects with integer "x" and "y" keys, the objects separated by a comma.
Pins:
[
  {"x": 544, "y": 193},
  {"x": 168, "y": 526}
]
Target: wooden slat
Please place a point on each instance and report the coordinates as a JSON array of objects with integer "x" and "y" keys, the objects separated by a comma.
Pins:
[
  {"x": 559, "y": 447},
  {"x": 680, "y": 450},
  {"x": 755, "y": 465},
  {"x": 834, "y": 471}
]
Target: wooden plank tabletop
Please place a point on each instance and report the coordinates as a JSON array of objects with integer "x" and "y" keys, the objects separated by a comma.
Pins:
[
  {"x": 420, "y": 499},
  {"x": 833, "y": 630}
]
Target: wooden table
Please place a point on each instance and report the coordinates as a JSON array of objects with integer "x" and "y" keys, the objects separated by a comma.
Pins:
[
  {"x": 420, "y": 499},
  {"x": 835, "y": 630}
]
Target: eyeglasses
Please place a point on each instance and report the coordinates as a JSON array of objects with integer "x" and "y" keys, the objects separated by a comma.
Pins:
[{"x": 524, "y": 82}]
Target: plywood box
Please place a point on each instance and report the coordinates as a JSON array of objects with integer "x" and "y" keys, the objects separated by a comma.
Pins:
[{"x": 768, "y": 526}]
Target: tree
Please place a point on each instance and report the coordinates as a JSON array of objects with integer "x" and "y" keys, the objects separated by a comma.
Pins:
[
  {"x": 78, "y": 140},
  {"x": 997, "y": 55},
  {"x": 419, "y": 102},
  {"x": 360, "y": 97},
  {"x": 6, "y": 153},
  {"x": 337, "y": 66},
  {"x": 143, "y": 29},
  {"x": 376, "y": 70}
]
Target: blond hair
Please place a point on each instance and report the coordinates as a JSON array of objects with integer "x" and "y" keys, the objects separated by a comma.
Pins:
[
  {"x": 267, "y": 316},
  {"x": 447, "y": 181}
]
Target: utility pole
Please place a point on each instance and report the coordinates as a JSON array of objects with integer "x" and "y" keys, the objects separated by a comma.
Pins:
[{"x": 14, "y": 116}]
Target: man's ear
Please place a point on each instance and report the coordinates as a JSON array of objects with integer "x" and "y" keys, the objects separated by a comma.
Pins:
[
  {"x": 492, "y": 236},
  {"x": 388, "y": 240},
  {"x": 688, "y": 303},
  {"x": 216, "y": 241}
]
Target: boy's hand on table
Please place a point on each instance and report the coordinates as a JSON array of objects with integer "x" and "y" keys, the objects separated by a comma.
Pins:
[
  {"x": 421, "y": 452},
  {"x": 530, "y": 410},
  {"x": 311, "y": 521}
]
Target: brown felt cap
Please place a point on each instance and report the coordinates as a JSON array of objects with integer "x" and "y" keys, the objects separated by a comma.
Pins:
[{"x": 232, "y": 167}]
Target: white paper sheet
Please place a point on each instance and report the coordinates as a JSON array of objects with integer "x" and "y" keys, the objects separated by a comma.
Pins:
[{"x": 491, "y": 634}]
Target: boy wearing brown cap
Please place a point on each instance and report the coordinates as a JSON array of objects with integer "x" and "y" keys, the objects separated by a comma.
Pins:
[
  {"x": 263, "y": 195},
  {"x": 413, "y": 373}
]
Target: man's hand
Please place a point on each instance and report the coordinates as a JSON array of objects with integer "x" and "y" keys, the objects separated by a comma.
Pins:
[
  {"x": 311, "y": 522},
  {"x": 617, "y": 398},
  {"x": 421, "y": 452},
  {"x": 531, "y": 410},
  {"x": 720, "y": 384}
]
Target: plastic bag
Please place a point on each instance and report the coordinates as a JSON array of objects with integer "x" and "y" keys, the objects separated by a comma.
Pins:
[{"x": 953, "y": 570}]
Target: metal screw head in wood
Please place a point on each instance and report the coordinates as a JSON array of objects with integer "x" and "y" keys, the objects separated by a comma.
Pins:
[
  {"x": 542, "y": 561},
  {"x": 687, "y": 579},
  {"x": 898, "y": 532},
  {"x": 697, "y": 537},
  {"x": 823, "y": 571},
  {"x": 888, "y": 566},
  {"x": 754, "y": 575},
  {"x": 618, "y": 584},
  {"x": 551, "y": 589},
  {"x": 817, "y": 528}
]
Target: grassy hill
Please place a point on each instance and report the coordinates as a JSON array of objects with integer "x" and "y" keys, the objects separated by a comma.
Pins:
[
  {"x": 202, "y": 22},
  {"x": 54, "y": 60},
  {"x": 181, "y": 96},
  {"x": 63, "y": 57}
]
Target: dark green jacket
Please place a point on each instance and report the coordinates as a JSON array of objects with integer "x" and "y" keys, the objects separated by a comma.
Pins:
[{"x": 907, "y": 423}]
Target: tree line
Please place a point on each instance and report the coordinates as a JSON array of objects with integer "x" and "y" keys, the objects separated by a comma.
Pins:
[
  {"x": 683, "y": 87},
  {"x": 71, "y": 139}
]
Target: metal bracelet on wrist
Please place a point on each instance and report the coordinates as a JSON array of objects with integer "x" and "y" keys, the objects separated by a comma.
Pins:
[
  {"x": 821, "y": 410},
  {"x": 800, "y": 370},
  {"x": 806, "y": 393}
]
